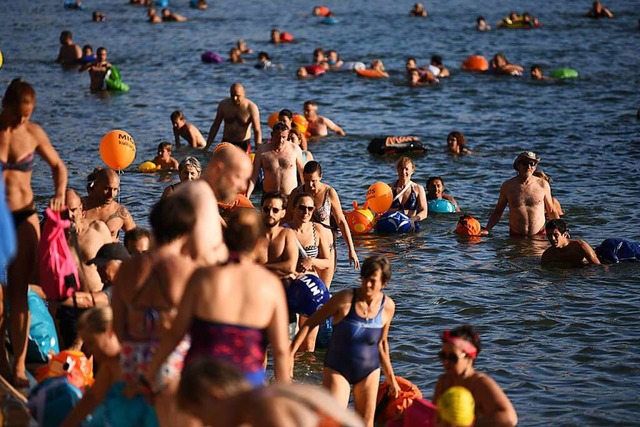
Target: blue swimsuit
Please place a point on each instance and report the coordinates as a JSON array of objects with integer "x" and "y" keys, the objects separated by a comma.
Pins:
[
  {"x": 410, "y": 205},
  {"x": 353, "y": 351}
]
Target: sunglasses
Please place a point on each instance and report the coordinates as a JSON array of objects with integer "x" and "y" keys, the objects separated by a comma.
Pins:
[
  {"x": 304, "y": 208},
  {"x": 530, "y": 163},
  {"x": 451, "y": 357},
  {"x": 267, "y": 209}
]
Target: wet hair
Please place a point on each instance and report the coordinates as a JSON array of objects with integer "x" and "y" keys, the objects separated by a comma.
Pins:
[
  {"x": 264, "y": 55},
  {"x": 18, "y": 92},
  {"x": 317, "y": 51},
  {"x": 411, "y": 58},
  {"x": 535, "y": 67},
  {"x": 166, "y": 145},
  {"x": 286, "y": 113},
  {"x": 176, "y": 115},
  {"x": 172, "y": 217},
  {"x": 312, "y": 167},
  {"x": 136, "y": 234},
  {"x": 300, "y": 196},
  {"x": 333, "y": 51},
  {"x": 434, "y": 178},
  {"x": 556, "y": 224},
  {"x": 244, "y": 228},
  {"x": 66, "y": 34},
  {"x": 190, "y": 161},
  {"x": 376, "y": 263},
  {"x": 205, "y": 374},
  {"x": 479, "y": 18},
  {"x": 467, "y": 333},
  {"x": 96, "y": 320},
  {"x": 295, "y": 131},
  {"x": 405, "y": 160},
  {"x": 436, "y": 60},
  {"x": 273, "y": 195},
  {"x": 279, "y": 127},
  {"x": 462, "y": 141},
  {"x": 87, "y": 47},
  {"x": 101, "y": 49}
]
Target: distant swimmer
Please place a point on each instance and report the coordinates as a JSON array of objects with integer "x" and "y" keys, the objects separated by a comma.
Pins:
[
  {"x": 565, "y": 251},
  {"x": 240, "y": 115},
  {"x": 418, "y": 10},
  {"x": 184, "y": 129},
  {"x": 536, "y": 73},
  {"x": 242, "y": 46},
  {"x": 436, "y": 61},
  {"x": 98, "y": 16},
  {"x": 457, "y": 143},
  {"x": 500, "y": 65},
  {"x": 97, "y": 70},
  {"x": 481, "y": 24},
  {"x": 170, "y": 16},
  {"x": 528, "y": 198},
  {"x": 152, "y": 16},
  {"x": 333, "y": 59},
  {"x": 599, "y": 11},
  {"x": 319, "y": 125},
  {"x": 70, "y": 53},
  {"x": 164, "y": 159},
  {"x": 435, "y": 191},
  {"x": 235, "y": 56},
  {"x": 87, "y": 55}
]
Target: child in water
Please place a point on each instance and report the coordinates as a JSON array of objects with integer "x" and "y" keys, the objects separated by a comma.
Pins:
[
  {"x": 564, "y": 251},
  {"x": 164, "y": 159}
]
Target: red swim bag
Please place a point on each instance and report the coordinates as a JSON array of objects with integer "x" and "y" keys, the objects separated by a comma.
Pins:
[
  {"x": 388, "y": 408},
  {"x": 58, "y": 271}
]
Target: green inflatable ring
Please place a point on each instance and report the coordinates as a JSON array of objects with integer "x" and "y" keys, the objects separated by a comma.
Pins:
[
  {"x": 564, "y": 73},
  {"x": 113, "y": 81}
]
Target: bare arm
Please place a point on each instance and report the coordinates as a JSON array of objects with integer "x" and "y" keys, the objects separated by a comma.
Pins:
[
  {"x": 589, "y": 253},
  {"x": 176, "y": 136},
  {"x": 257, "y": 164},
  {"x": 278, "y": 332},
  {"x": 338, "y": 215},
  {"x": 255, "y": 123},
  {"x": 331, "y": 308},
  {"x": 497, "y": 408},
  {"x": 334, "y": 127},
  {"x": 421, "y": 212},
  {"x": 289, "y": 257},
  {"x": 495, "y": 216},
  {"x": 452, "y": 200},
  {"x": 127, "y": 220},
  {"x": 383, "y": 346},
  {"x": 215, "y": 126},
  {"x": 58, "y": 169},
  {"x": 300, "y": 164},
  {"x": 549, "y": 206}
]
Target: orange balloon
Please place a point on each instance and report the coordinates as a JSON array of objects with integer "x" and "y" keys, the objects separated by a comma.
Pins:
[
  {"x": 286, "y": 37},
  {"x": 380, "y": 197},
  {"x": 273, "y": 119},
  {"x": 475, "y": 63},
  {"x": 117, "y": 149},
  {"x": 360, "y": 221},
  {"x": 300, "y": 122}
]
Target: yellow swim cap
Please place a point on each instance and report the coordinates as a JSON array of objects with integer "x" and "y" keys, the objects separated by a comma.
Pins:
[{"x": 457, "y": 406}]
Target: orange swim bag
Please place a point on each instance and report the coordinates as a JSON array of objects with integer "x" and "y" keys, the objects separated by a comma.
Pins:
[{"x": 388, "y": 408}]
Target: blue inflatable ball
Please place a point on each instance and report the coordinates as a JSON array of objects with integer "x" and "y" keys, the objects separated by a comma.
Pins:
[
  {"x": 211, "y": 58},
  {"x": 440, "y": 206},
  {"x": 161, "y": 3},
  {"x": 393, "y": 223},
  {"x": 306, "y": 294},
  {"x": 52, "y": 400}
]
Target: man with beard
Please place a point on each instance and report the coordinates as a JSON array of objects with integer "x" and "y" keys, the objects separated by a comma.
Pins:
[
  {"x": 280, "y": 253},
  {"x": 100, "y": 204}
]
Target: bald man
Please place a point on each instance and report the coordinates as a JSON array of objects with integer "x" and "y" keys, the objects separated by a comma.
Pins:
[
  {"x": 100, "y": 203},
  {"x": 228, "y": 173},
  {"x": 240, "y": 115}
]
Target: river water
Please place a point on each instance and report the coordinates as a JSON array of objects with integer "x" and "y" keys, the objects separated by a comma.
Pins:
[{"x": 560, "y": 342}]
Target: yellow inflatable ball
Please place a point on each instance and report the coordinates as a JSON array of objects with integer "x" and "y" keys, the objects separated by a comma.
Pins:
[
  {"x": 360, "y": 221},
  {"x": 379, "y": 196},
  {"x": 117, "y": 149},
  {"x": 1, "y": 59},
  {"x": 148, "y": 167},
  {"x": 273, "y": 119},
  {"x": 300, "y": 122},
  {"x": 457, "y": 406}
]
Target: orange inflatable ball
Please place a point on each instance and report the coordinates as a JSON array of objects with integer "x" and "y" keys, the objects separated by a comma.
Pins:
[
  {"x": 117, "y": 149},
  {"x": 273, "y": 119},
  {"x": 475, "y": 63},
  {"x": 379, "y": 196},
  {"x": 286, "y": 37},
  {"x": 360, "y": 221},
  {"x": 300, "y": 122}
]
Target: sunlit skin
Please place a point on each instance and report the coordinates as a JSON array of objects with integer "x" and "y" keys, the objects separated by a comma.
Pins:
[{"x": 452, "y": 144}]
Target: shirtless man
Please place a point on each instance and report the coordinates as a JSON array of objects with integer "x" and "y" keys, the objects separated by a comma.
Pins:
[
  {"x": 279, "y": 160},
  {"x": 97, "y": 70},
  {"x": 240, "y": 115},
  {"x": 70, "y": 53},
  {"x": 527, "y": 196},
  {"x": 184, "y": 129},
  {"x": 564, "y": 251},
  {"x": 228, "y": 172},
  {"x": 100, "y": 203},
  {"x": 280, "y": 254},
  {"x": 318, "y": 125},
  {"x": 599, "y": 11},
  {"x": 500, "y": 65}
]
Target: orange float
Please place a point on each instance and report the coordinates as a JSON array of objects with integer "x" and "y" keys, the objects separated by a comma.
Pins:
[
  {"x": 300, "y": 122},
  {"x": 475, "y": 63},
  {"x": 117, "y": 149},
  {"x": 372, "y": 74},
  {"x": 360, "y": 220},
  {"x": 379, "y": 196},
  {"x": 70, "y": 363},
  {"x": 273, "y": 119},
  {"x": 286, "y": 37},
  {"x": 222, "y": 146}
]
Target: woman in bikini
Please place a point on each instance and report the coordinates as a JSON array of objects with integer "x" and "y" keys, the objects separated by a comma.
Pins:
[
  {"x": 327, "y": 204},
  {"x": 19, "y": 140},
  {"x": 408, "y": 197},
  {"x": 460, "y": 347},
  {"x": 359, "y": 346},
  {"x": 146, "y": 295},
  {"x": 232, "y": 311}
]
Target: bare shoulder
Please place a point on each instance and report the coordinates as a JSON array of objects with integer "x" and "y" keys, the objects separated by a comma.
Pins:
[
  {"x": 389, "y": 304},
  {"x": 102, "y": 228}
]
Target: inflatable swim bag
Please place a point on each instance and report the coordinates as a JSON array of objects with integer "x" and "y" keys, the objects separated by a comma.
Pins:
[
  {"x": 51, "y": 401},
  {"x": 371, "y": 74},
  {"x": 440, "y": 206},
  {"x": 564, "y": 73},
  {"x": 43, "y": 338},
  {"x": 360, "y": 221},
  {"x": 306, "y": 294},
  {"x": 396, "y": 145},
  {"x": 113, "y": 81},
  {"x": 353, "y": 65},
  {"x": 329, "y": 20},
  {"x": 475, "y": 63},
  {"x": 618, "y": 250},
  {"x": 388, "y": 408},
  {"x": 394, "y": 223},
  {"x": 468, "y": 226},
  {"x": 209, "y": 57}
]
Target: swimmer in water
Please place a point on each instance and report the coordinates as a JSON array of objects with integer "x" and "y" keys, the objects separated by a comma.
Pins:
[
  {"x": 169, "y": 16},
  {"x": 234, "y": 56},
  {"x": 184, "y": 129},
  {"x": 481, "y": 24},
  {"x": 418, "y": 10},
  {"x": 164, "y": 159},
  {"x": 242, "y": 46},
  {"x": 599, "y": 11},
  {"x": 97, "y": 70},
  {"x": 436, "y": 61},
  {"x": 536, "y": 73},
  {"x": 333, "y": 59},
  {"x": 564, "y": 251},
  {"x": 70, "y": 53},
  {"x": 435, "y": 191},
  {"x": 377, "y": 65},
  {"x": 457, "y": 143},
  {"x": 500, "y": 65},
  {"x": 319, "y": 125}
]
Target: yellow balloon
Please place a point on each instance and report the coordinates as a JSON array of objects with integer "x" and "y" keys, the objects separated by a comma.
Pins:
[
  {"x": 147, "y": 167},
  {"x": 1, "y": 59},
  {"x": 117, "y": 149}
]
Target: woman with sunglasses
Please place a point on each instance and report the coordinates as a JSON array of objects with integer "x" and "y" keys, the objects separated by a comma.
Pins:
[
  {"x": 359, "y": 346},
  {"x": 460, "y": 347},
  {"x": 327, "y": 204}
]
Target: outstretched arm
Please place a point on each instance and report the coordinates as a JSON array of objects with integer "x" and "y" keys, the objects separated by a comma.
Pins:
[
  {"x": 334, "y": 127},
  {"x": 215, "y": 126},
  {"x": 385, "y": 357},
  {"x": 338, "y": 215}
]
